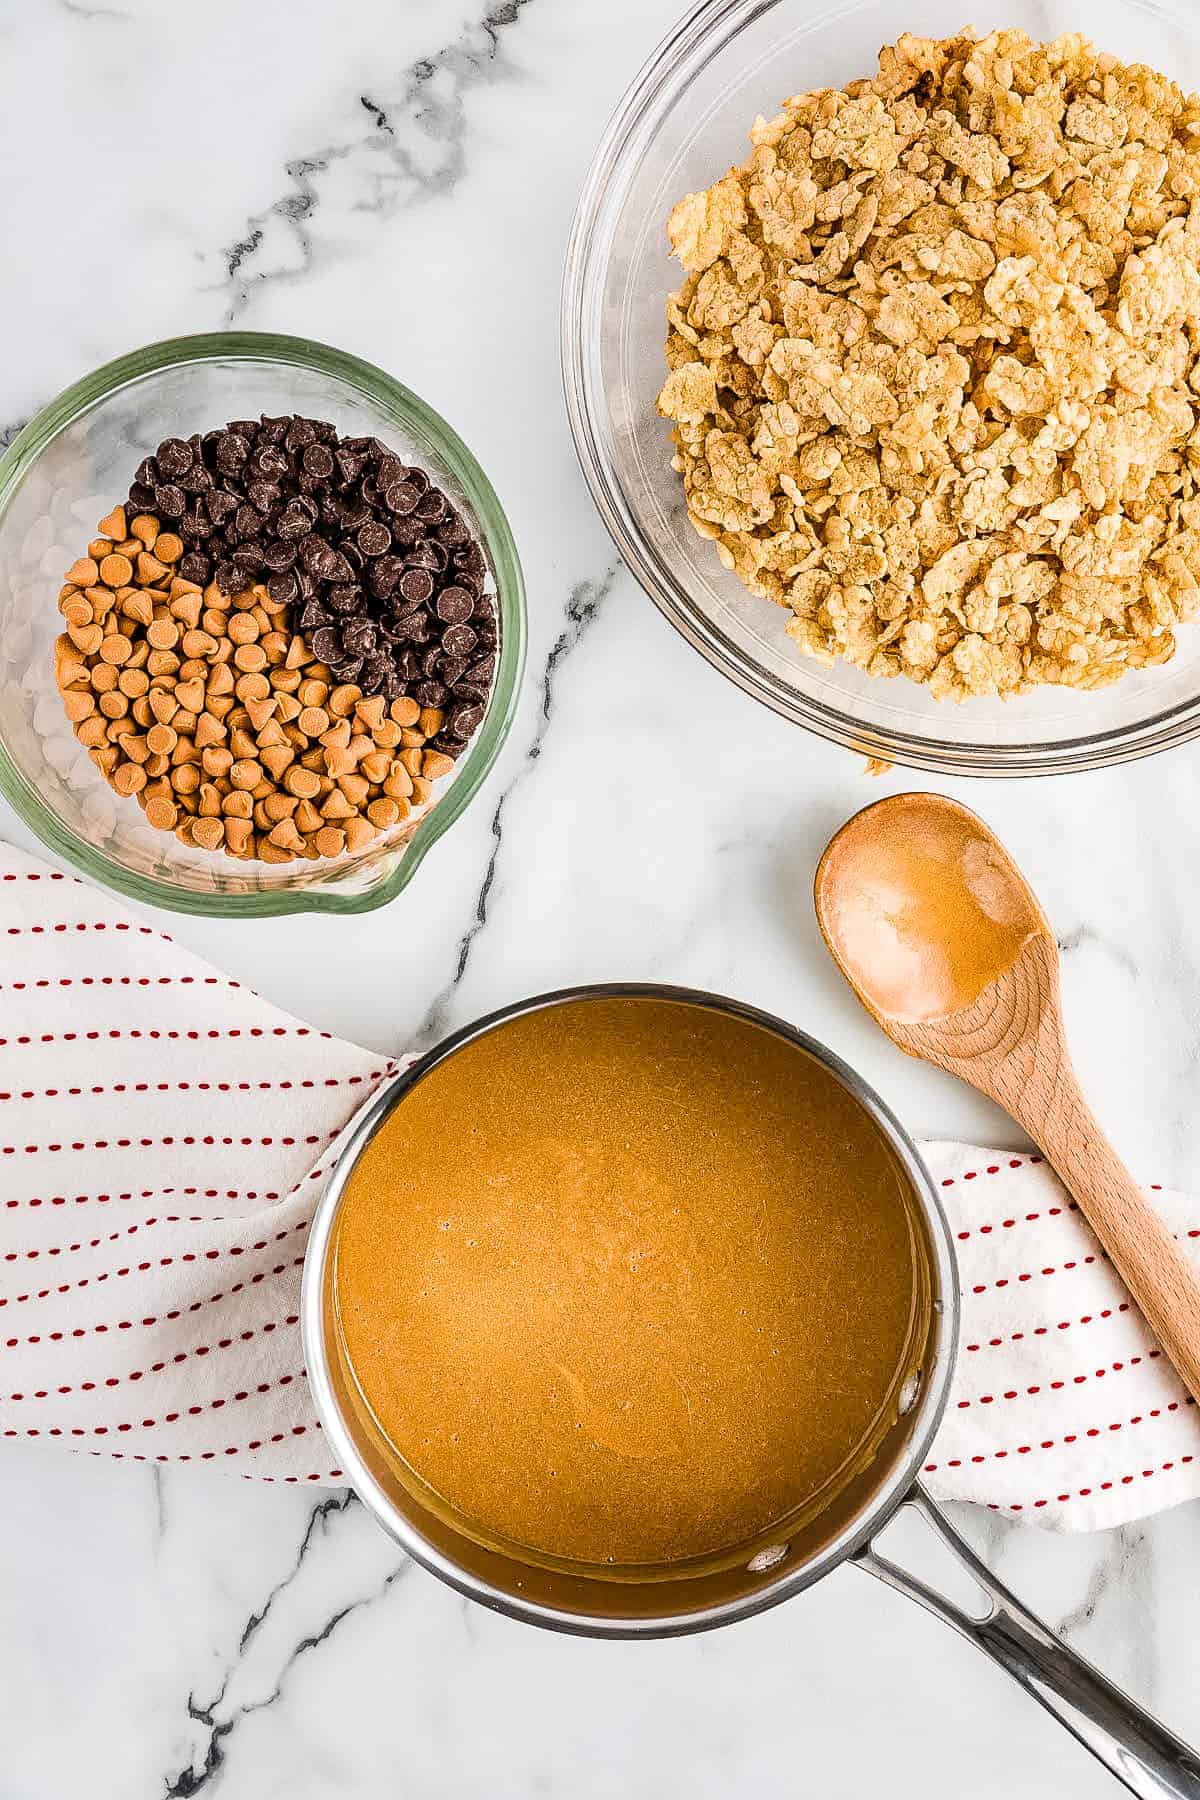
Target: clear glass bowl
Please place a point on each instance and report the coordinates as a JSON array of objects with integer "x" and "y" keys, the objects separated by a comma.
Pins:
[
  {"x": 683, "y": 122},
  {"x": 68, "y": 467}
]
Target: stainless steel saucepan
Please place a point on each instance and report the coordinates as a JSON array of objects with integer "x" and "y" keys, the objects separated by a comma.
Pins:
[{"x": 1139, "y": 1751}]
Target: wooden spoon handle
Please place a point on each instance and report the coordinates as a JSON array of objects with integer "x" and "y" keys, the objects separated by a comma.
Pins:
[{"x": 1149, "y": 1261}]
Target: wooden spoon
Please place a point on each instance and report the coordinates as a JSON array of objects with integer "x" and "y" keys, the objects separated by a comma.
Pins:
[{"x": 938, "y": 933}]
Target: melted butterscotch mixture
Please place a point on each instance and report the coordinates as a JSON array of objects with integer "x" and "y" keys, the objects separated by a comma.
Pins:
[
  {"x": 628, "y": 1281},
  {"x": 922, "y": 907}
]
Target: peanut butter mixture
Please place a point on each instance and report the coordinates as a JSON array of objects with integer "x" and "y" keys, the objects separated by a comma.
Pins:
[
  {"x": 629, "y": 1281},
  {"x": 922, "y": 908}
]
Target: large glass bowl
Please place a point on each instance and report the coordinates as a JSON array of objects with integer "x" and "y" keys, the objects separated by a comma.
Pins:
[
  {"x": 68, "y": 467},
  {"x": 683, "y": 122}
]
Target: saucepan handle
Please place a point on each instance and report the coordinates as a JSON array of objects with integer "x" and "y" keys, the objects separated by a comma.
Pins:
[{"x": 1150, "y": 1760}]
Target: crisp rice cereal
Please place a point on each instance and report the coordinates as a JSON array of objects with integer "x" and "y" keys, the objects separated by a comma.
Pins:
[{"x": 934, "y": 370}]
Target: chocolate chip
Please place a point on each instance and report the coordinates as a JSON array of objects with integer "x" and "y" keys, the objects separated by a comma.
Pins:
[
  {"x": 349, "y": 466},
  {"x": 433, "y": 506},
  {"x": 402, "y": 497},
  {"x": 358, "y": 637},
  {"x": 313, "y": 615},
  {"x": 326, "y": 643},
  {"x": 454, "y": 606},
  {"x": 195, "y": 525},
  {"x": 318, "y": 462},
  {"x": 346, "y": 599},
  {"x": 141, "y": 498},
  {"x": 374, "y": 539},
  {"x": 458, "y": 640},
  {"x": 246, "y": 524},
  {"x": 464, "y": 720},
  {"x": 147, "y": 473},
  {"x": 230, "y": 579},
  {"x": 452, "y": 667},
  {"x": 195, "y": 566},
  {"x": 231, "y": 452},
  {"x": 249, "y": 556},
  {"x": 299, "y": 434},
  {"x": 416, "y": 586},
  {"x": 170, "y": 501},
  {"x": 294, "y": 521},
  {"x": 174, "y": 458},
  {"x": 279, "y": 554},
  {"x": 269, "y": 462},
  {"x": 429, "y": 693},
  {"x": 282, "y": 589},
  {"x": 220, "y": 506},
  {"x": 262, "y": 495}
]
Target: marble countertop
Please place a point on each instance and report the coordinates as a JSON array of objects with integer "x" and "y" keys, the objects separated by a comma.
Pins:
[{"x": 399, "y": 179}]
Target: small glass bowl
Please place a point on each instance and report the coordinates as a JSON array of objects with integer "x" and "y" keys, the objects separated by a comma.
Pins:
[
  {"x": 74, "y": 462},
  {"x": 680, "y": 126}
]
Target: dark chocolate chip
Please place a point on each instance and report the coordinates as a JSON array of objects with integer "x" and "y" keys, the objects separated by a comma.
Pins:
[
  {"x": 402, "y": 497},
  {"x": 195, "y": 566},
  {"x": 231, "y": 452},
  {"x": 429, "y": 693},
  {"x": 279, "y": 554},
  {"x": 220, "y": 506},
  {"x": 294, "y": 521},
  {"x": 317, "y": 462},
  {"x": 282, "y": 589},
  {"x": 230, "y": 579},
  {"x": 174, "y": 458},
  {"x": 458, "y": 640},
  {"x": 299, "y": 434},
  {"x": 262, "y": 494},
  {"x": 452, "y": 667},
  {"x": 416, "y": 586},
  {"x": 374, "y": 539},
  {"x": 170, "y": 501},
  {"x": 246, "y": 524},
  {"x": 141, "y": 498},
  {"x": 464, "y": 720},
  {"x": 326, "y": 643},
  {"x": 454, "y": 606},
  {"x": 346, "y": 599}
]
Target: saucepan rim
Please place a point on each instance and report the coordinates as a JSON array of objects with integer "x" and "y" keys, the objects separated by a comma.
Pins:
[{"x": 893, "y": 1490}]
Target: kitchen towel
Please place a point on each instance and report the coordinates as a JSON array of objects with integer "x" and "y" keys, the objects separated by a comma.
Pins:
[{"x": 165, "y": 1135}]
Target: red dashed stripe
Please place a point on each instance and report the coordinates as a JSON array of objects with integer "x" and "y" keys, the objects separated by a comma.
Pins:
[
  {"x": 162, "y": 1262},
  {"x": 1070, "y": 1437},
  {"x": 185, "y": 1456},
  {"x": 1003, "y": 1281},
  {"x": 209, "y": 1193},
  {"x": 156, "y": 1368},
  {"x": 1099, "y": 1487},
  {"x": 111, "y": 1036},
  {"x": 145, "y": 981},
  {"x": 1051, "y": 1212},
  {"x": 1128, "y": 1362},
  {"x": 1015, "y": 1337},
  {"x": 1011, "y": 1162},
  {"x": 207, "y": 1142},
  {"x": 86, "y": 925},
  {"x": 179, "y": 1312},
  {"x": 50, "y": 875},
  {"x": 185, "y": 1087},
  {"x": 170, "y": 1418}
]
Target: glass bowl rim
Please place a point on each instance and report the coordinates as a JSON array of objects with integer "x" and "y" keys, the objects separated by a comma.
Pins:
[
  {"x": 75, "y": 402},
  {"x": 703, "y": 31}
]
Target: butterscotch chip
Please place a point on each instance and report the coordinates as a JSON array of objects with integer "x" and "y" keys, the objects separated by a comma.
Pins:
[
  {"x": 431, "y": 720},
  {"x": 145, "y": 527},
  {"x": 78, "y": 703},
  {"x": 216, "y": 761},
  {"x": 312, "y": 692},
  {"x": 103, "y": 676},
  {"x": 137, "y": 606},
  {"x": 113, "y": 525},
  {"x": 187, "y": 609},
  {"x": 375, "y": 766},
  {"x": 246, "y": 773},
  {"x": 275, "y": 758},
  {"x": 384, "y": 813},
  {"x": 338, "y": 761},
  {"x": 158, "y": 763},
  {"x": 434, "y": 765},
  {"x": 399, "y": 783},
  {"x": 250, "y": 657},
  {"x": 83, "y": 573},
  {"x": 115, "y": 648},
  {"x": 161, "y": 738},
  {"x": 198, "y": 643},
  {"x": 167, "y": 547},
  {"x": 92, "y": 732},
  {"x": 405, "y": 711},
  {"x": 87, "y": 638},
  {"x": 269, "y": 852},
  {"x": 105, "y": 758},
  {"x": 330, "y": 841},
  {"x": 412, "y": 739},
  {"x": 237, "y": 834},
  {"x": 252, "y": 687},
  {"x": 191, "y": 694},
  {"x": 359, "y": 833},
  {"x": 371, "y": 713},
  {"x": 343, "y": 700},
  {"x": 132, "y": 682},
  {"x": 238, "y": 805},
  {"x": 128, "y": 778},
  {"x": 307, "y": 816},
  {"x": 209, "y": 730},
  {"x": 304, "y": 783},
  {"x": 141, "y": 711},
  {"x": 185, "y": 778},
  {"x": 149, "y": 569},
  {"x": 77, "y": 611},
  {"x": 422, "y": 791},
  {"x": 116, "y": 570},
  {"x": 387, "y": 735},
  {"x": 162, "y": 662},
  {"x": 313, "y": 721},
  {"x": 336, "y": 806},
  {"x": 162, "y": 814},
  {"x": 355, "y": 787},
  {"x": 243, "y": 628},
  {"x": 208, "y": 832},
  {"x": 113, "y": 705}
]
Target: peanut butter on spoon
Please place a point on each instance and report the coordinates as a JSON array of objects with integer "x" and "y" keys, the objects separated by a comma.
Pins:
[{"x": 942, "y": 939}]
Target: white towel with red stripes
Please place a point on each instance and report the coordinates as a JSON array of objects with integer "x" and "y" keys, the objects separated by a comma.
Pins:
[{"x": 165, "y": 1135}]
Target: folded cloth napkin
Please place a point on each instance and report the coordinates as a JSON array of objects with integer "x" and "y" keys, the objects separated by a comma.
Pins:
[{"x": 165, "y": 1135}]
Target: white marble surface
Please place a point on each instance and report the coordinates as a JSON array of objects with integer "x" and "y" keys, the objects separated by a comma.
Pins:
[{"x": 395, "y": 178}]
